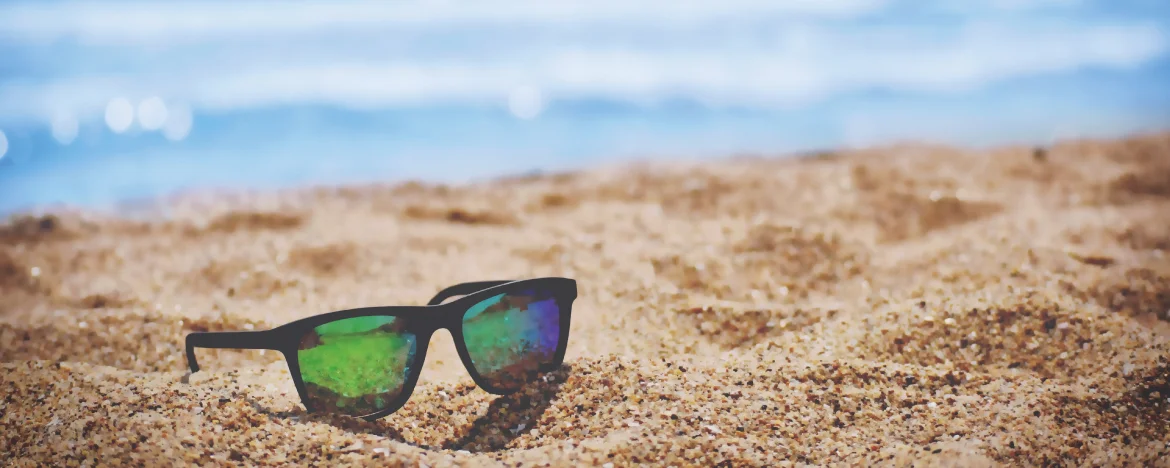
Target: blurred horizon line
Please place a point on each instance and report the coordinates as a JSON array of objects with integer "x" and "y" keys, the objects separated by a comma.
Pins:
[
  {"x": 147, "y": 203},
  {"x": 107, "y": 100}
]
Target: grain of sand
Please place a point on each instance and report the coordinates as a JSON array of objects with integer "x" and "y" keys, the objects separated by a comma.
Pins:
[{"x": 905, "y": 304}]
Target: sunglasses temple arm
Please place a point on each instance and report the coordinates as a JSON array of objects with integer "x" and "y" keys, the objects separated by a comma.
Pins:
[
  {"x": 464, "y": 289},
  {"x": 262, "y": 339}
]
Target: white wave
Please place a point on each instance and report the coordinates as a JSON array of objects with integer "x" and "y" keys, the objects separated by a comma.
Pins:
[
  {"x": 799, "y": 68},
  {"x": 307, "y": 52},
  {"x": 139, "y": 21}
]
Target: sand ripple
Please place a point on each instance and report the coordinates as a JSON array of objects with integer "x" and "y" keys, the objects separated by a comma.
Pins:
[{"x": 909, "y": 304}]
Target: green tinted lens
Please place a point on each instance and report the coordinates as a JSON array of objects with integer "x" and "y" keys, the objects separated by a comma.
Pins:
[
  {"x": 510, "y": 337},
  {"x": 356, "y": 366}
]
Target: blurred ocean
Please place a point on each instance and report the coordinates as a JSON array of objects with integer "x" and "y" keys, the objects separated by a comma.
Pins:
[{"x": 105, "y": 101}]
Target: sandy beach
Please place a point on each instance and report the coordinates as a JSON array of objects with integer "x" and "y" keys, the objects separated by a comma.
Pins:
[{"x": 909, "y": 304}]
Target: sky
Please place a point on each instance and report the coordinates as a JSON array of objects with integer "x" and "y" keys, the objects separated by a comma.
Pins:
[{"x": 106, "y": 101}]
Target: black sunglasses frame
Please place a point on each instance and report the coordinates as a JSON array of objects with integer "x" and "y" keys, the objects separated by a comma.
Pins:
[{"x": 423, "y": 322}]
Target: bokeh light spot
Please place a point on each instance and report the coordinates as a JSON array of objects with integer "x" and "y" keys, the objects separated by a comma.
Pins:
[
  {"x": 152, "y": 113},
  {"x": 178, "y": 123},
  {"x": 65, "y": 127},
  {"x": 119, "y": 115},
  {"x": 525, "y": 102}
]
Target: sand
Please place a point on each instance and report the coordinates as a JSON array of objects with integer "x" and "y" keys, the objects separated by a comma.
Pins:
[{"x": 896, "y": 305}]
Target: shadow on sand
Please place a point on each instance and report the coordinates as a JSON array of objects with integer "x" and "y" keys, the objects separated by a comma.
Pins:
[{"x": 506, "y": 418}]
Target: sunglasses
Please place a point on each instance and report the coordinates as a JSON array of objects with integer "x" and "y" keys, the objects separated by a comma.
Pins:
[{"x": 365, "y": 362}]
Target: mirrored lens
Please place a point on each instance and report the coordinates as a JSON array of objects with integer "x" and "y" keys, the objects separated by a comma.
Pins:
[
  {"x": 356, "y": 366},
  {"x": 510, "y": 336}
]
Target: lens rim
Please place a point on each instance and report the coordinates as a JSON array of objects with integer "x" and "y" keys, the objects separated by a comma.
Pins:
[
  {"x": 483, "y": 382},
  {"x": 410, "y": 364},
  {"x": 423, "y": 322}
]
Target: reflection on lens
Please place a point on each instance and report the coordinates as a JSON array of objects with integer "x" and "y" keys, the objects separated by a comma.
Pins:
[
  {"x": 356, "y": 366},
  {"x": 511, "y": 336}
]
